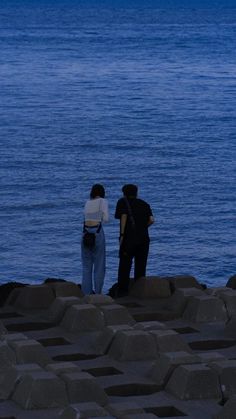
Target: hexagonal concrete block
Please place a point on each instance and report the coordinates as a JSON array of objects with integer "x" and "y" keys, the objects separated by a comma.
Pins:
[
  {"x": 34, "y": 297},
  {"x": 3, "y": 330},
  {"x": 98, "y": 299},
  {"x": 106, "y": 336},
  {"x": 8, "y": 377},
  {"x": 65, "y": 289},
  {"x": 81, "y": 318},
  {"x": 164, "y": 366},
  {"x": 59, "y": 307},
  {"x": 183, "y": 281},
  {"x": 116, "y": 314},
  {"x": 60, "y": 368},
  {"x": 82, "y": 387},
  {"x": 205, "y": 309},
  {"x": 30, "y": 351},
  {"x": 133, "y": 345},
  {"x": 40, "y": 390},
  {"x": 150, "y": 325},
  {"x": 151, "y": 287},
  {"x": 169, "y": 341},
  {"x": 7, "y": 355},
  {"x": 229, "y": 298},
  {"x": 228, "y": 410},
  {"x": 226, "y": 369},
  {"x": 122, "y": 409},
  {"x": 230, "y": 328},
  {"x": 196, "y": 381},
  {"x": 83, "y": 410}
]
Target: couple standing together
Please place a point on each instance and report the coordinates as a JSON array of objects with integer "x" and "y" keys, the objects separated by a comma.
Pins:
[{"x": 135, "y": 217}]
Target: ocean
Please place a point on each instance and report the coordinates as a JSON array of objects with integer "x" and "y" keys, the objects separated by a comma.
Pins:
[{"x": 117, "y": 94}]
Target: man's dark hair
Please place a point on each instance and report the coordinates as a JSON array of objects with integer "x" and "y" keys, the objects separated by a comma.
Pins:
[
  {"x": 130, "y": 190},
  {"x": 97, "y": 190}
]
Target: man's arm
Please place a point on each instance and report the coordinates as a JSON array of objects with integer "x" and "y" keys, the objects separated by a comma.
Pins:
[
  {"x": 151, "y": 220},
  {"x": 123, "y": 221}
]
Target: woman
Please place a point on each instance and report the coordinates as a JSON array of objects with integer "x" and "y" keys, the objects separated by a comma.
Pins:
[{"x": 93, "y": 258}]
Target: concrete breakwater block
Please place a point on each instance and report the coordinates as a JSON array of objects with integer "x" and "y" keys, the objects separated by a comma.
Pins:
[
  {"x": 59, "y": 307},
  {"x": 106, "y": 336},
  {"x": 116, "y": 314},
  {"x": 98, "y": 299},
  {"x": 228, "y": 411},
  {"x": 30, "y": 351},
  {"x": 40, "y": 390},
  {"x": 151, "y": 287},
  {"x": 205, "y": 309},
  {"x": 133, "y": 345},
  {"x": 65, "y": 289},
  {"x": 8, "y": 377},
  {"x": 150, "y": 325},
  {"x": 183, "y": 281},
  {"x": 232, "y": 282},
  {"x": 194, "y": 382},
  {"x": 226, "y": 370},
  {"x": 81, "y": 318},
  {"x": 34, "y": 297},
  {"x": 124, "y": 408},
  {"x": 83, "y": 387},
  {"x": 179, "y": 299},
  {"x": 230, "y": 328},
  {"x": 7, "y": 355},
  {"x": 83, "y": 410},
  {"x": 3, "y": 330},
  {"x": 229, "y": 298},
  {"x": 60, "y": 368},
  {"x": 164, "y": 366},
  {"x": 169, "y": 341}
]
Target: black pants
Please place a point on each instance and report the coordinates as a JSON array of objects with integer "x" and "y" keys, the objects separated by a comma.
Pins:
[{"x": 140, "y": 254}]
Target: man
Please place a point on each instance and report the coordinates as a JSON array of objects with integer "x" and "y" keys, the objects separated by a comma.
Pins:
[{"x": 135, "y": 217}]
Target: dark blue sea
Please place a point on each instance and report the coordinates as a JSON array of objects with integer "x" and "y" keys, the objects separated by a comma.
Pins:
[{"x": 112, "y": 93}]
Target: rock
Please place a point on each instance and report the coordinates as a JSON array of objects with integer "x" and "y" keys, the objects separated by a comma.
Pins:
[
  {"x": 151, "y": 287},
  {"x": 232, "y": 282}
]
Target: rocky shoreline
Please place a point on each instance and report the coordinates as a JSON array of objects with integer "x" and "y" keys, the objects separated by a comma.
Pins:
[{"x": 168, "y": 349}]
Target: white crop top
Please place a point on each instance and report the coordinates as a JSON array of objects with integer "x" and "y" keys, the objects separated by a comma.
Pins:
[{"x": 96, "y": 210}]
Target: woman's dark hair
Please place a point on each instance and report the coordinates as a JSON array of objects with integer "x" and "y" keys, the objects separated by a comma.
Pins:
[
  {"x": 97, "y": 190},
  {"x": 130, "y": 190}
]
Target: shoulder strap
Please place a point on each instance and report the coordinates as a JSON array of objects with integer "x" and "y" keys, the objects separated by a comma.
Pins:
[{"x": 130, "y": 212}]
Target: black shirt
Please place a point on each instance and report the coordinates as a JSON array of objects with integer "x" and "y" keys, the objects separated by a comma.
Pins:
[{"x": 141, "y": 212}]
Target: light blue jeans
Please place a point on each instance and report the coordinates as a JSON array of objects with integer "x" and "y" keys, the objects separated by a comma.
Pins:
[{"x": 94, "y": 263}]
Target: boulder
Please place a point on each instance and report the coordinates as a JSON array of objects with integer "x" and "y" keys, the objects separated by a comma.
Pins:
[{"x": 232, "y": 282}]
